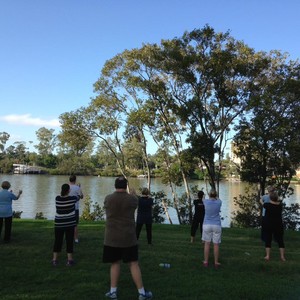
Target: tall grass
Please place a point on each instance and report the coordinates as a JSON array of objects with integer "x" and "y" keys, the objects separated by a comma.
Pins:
[{"x": 26, "y": 271}]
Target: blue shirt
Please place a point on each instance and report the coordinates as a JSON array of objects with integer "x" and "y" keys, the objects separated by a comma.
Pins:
[
  {"x": 6, "y": 198},
  {"x": 212, "y": 212}
]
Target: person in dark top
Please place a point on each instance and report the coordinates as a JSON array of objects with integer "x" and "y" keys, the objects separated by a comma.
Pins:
[
  {"x": 274, "y": 225},
  {"x": 144, "y": 215},
  {"x": 198, "y": 215},
  {"x": 64, "y": 223}
]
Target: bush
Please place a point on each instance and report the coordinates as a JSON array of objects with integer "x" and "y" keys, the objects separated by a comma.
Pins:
[
  {"x": 17, "y": 214},
  {"x": 248, "y": 213},
  {"x": 40, "y": 216},
  {"x": 94, "y": 214}
]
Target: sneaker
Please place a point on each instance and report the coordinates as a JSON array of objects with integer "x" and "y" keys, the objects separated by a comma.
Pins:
[
  {"x": 76, "y": 241},
  {"x": 54, "y": 262},
  {"x": 111, "y": 295},
  {"x": 70, "y": 263},
  {"x": 147, "y": 295}
]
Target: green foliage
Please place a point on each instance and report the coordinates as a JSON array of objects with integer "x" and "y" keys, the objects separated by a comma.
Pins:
[
  {"x": 92, "y": 211},
  {"x": 157, "y": 208},
  {"x": 291, "y": 216},
  {"x": 40, "y": 216},
  {"x": 248, "y": 213},
  {"x": 17, "y": 214}
]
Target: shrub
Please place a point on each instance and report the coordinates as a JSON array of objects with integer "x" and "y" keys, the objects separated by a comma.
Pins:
[
  {"x": 17, "y": 214},
  {"x": 40, "y": 216},
  {"x": 92, "y": 211}
]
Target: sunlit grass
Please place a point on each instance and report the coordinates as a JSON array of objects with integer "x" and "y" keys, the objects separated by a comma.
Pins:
[{"x": 26, "y": 272}]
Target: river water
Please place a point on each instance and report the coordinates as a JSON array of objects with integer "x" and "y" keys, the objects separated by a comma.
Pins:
[{"x": 39, "y": 192}]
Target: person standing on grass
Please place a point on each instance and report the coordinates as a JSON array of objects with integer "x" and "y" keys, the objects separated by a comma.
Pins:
[
  {"x": 265, "y": 199},
  {"x": 64, "y": 224},
  {"x": 6, "y": 212},
  {"x": 212, "y": 229},
  {"x": 198, "y": 215},
  {"x": 75, "y": 190},
  {"x": 120, "y": 242},
  {"x": 274, "y": 225},
  {"x": 144, "y": 215}
]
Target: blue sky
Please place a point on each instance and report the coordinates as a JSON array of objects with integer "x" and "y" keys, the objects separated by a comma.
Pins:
[{"x": 52, "y": 51}]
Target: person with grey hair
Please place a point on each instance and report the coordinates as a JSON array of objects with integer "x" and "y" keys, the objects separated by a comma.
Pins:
[
  {"x": 6, "y": 212},
  {"x": 144, "y": 215},
  {"x": 212, "y": 229},
  {"x": 120, "y": 242}
]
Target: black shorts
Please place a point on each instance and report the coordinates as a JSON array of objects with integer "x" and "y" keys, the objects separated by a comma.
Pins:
[
  {"x": 114, "y": 254},
  {"x": 77, "y": 215}
]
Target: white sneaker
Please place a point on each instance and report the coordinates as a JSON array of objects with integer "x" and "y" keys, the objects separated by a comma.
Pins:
[
  {"x": 76, "y": 241},
  {"x": 111, "y": 295},
  {"x": 147, "y": 295}
]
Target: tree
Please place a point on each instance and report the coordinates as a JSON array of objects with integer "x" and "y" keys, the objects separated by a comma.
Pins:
[
  {"x": 268, "y": 137},
  {"x": 47, "y": 141}
]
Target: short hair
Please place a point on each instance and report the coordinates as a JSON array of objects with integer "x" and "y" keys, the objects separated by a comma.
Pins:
[
  {"x": 213, "y": 193},
  {"x": 65, "y": 189},
  {"x": 271, "y": 189},
  {"x": 145, "y": 191},
  {"x": 121, "y": 183},
  {"x": 200, "y": 194},
  {"x": 5, "y": 185},
  {"x": 274, "y": 196},
  {"x": 72, "y": 178}
]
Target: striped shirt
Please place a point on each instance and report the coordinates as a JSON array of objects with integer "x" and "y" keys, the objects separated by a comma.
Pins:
[{"x": 65, "y": 211}]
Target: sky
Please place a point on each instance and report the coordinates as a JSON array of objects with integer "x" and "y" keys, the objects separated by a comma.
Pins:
[{"x": 52, "y": 51}]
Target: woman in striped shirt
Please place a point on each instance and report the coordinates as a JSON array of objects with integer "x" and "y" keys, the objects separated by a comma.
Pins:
[{"x": 64, "y": 223}]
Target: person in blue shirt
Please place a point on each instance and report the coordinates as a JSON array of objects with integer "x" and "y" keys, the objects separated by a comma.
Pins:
[
  {"x": 212, "y": 229},
  {"x": 6, "y": 212}
]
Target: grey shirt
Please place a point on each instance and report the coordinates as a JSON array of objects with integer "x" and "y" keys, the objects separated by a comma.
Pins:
[{"x": 120, "y": 222}]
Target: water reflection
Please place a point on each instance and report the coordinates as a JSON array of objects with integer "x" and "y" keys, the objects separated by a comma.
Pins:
[{"x": 39, "y": 192}]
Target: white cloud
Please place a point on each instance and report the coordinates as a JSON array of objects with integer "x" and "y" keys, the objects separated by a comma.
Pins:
[{"x": 28, "y": 120}]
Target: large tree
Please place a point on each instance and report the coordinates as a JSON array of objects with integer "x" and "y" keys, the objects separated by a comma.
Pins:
[{"x": 268, "y": 137}]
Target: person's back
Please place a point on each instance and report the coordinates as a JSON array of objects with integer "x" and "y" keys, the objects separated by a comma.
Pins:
[
  {"x": 120, "y": 223},
  {"x": 120, "y": 242},
  {"x": 212, "y": 211}
]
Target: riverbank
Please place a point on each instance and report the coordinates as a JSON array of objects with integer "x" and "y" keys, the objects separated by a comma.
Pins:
[{"x": 26, "y": 272}]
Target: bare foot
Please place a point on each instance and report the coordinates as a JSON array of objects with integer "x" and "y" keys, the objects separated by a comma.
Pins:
[
  {"x": 283, "y": 259},
  {"x": 267, "y": 258}
]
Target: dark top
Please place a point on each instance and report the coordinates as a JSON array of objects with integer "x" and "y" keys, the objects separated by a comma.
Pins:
[
  {"x": 65, "y": 211},
  {"x": 273, "y": 217},
  {"x": 144, "y": 214},
  {"x": 199, "y": 209}
]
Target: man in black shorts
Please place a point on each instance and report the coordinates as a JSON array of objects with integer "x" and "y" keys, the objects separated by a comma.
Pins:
[{"x": 120, "y": 242}]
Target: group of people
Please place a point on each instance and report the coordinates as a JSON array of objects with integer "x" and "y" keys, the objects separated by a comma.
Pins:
[
  {"x": 207, "y": 217},
  {"x": 122, "y": 231}
]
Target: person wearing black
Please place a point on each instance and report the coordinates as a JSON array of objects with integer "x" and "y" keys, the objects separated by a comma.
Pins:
[
  {"x": 198, "y": 215},
  {"x": 144, "y": 215},
  {"x": 274, "y": 225}
]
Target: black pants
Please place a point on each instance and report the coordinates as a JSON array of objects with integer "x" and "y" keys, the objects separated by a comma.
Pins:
[
  {"x": 148, "y": 230},
  {"x": 8, "y": 224},
  {"x": 195, "y": 224},
  {"x": 59, "y": 237}
]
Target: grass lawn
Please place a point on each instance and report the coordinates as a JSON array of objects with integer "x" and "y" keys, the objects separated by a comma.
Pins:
[{"x": 26, "y": 271}]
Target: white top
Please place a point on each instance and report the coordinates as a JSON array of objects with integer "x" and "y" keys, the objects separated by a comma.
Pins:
[{"x": 75, "y": 190}]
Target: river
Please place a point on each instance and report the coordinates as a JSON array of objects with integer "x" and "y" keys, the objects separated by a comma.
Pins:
[{"x": 39, "y": 192}]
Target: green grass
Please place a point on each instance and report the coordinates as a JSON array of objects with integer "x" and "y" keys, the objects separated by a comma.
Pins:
[{"x": 26, "y": 272}]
